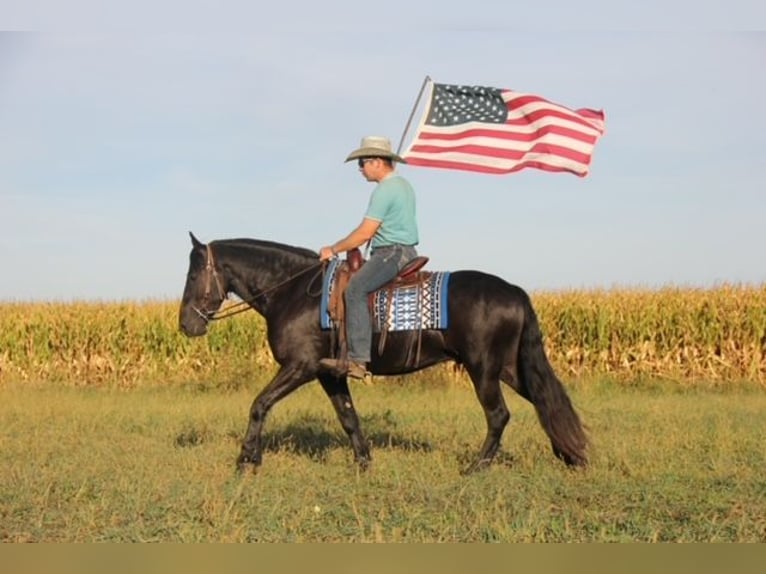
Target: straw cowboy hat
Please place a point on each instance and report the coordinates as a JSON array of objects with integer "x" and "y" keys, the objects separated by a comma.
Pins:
[{"x": 375, "y": 146}]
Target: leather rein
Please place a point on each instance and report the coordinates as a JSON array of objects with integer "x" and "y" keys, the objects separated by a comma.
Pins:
[{"x": 244, "y": 305}]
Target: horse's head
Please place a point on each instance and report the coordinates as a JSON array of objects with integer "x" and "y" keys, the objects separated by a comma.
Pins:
[{"x": 204, "y": 291}]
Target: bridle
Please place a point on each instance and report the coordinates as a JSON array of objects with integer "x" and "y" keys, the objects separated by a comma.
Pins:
[
  {"x": 210, "y": 278},
  {"x": 244, "y": 305}
]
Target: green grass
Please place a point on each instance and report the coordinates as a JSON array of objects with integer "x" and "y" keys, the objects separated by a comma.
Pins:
[{"x": 156, "y": 464}]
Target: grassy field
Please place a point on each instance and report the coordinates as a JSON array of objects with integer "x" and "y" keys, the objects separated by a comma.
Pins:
[
  {"x": 155, "y": 463},
  {"x": 115, "y": 427}
]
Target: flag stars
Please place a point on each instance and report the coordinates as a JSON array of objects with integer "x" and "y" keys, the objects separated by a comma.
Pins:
[{"x": 452, "y": 104}]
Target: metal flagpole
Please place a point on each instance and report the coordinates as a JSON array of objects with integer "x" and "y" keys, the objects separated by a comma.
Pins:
[{"x": 414, "y": 109}]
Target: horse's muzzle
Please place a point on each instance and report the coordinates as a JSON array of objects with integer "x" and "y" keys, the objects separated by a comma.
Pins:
[{"x": 192, "y": 323}]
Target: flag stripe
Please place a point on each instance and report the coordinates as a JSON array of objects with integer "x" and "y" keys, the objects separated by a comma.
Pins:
[
  {"x": 523, "y": 105},
  {"x": 490, "y": 164},
  {"x": 516, "y": 152},
  {"x": 537, "y": 134},
  {"x": 523, "y": 134}
]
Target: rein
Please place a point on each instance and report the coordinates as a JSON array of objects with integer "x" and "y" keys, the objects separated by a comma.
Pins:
[{"x": 244, "y": 305}]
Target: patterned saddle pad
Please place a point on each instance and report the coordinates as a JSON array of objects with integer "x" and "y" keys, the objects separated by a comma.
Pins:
[{"x": 412, "y": 307}]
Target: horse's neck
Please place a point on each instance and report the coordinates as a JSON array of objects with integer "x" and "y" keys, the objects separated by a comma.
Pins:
[{"x": 256, "y": 274}]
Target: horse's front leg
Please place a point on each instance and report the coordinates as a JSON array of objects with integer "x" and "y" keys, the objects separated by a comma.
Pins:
[
  {"x": 340, "y": 397},
  {"x": 287, "y": 379}
]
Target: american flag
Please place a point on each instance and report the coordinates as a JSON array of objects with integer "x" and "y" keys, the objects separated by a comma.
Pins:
[{"x": 494, "y": 130}]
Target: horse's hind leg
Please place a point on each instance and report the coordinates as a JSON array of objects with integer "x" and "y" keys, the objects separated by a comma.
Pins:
[
  {"x": 486, "y": 382},
  {"x": 340, "y": 397}
]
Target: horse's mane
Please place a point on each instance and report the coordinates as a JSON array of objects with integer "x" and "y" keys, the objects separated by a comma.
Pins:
[{"x": 261, "y": 244}]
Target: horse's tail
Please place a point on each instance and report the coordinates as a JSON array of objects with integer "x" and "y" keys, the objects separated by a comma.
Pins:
[{"x": 543, "y": 388}]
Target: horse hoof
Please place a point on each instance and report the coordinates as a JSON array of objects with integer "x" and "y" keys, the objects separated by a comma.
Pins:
[
  {"x": 576, "y": 463},
  {"x": 572, "y": 461},
  {"x": 477, "y": 466},
  {"x": 245, "y": 463}
]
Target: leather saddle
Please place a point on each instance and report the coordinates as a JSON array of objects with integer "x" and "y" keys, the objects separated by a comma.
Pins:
[
  {"x": 410, "y": 274},
  {"x": 354, "y": 261}
]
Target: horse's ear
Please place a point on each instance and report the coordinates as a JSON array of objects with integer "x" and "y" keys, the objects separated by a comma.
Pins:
[{"x": 195, "y": 242}]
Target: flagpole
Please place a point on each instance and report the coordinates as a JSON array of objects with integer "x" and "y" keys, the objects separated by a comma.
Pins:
[{"x": 412, "y": 114}]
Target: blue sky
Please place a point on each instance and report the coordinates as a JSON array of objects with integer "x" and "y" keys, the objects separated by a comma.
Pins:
[{"x": 119, "y": 135}]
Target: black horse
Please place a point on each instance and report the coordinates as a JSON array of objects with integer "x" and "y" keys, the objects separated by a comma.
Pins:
[{"x": 493, "y": 333}]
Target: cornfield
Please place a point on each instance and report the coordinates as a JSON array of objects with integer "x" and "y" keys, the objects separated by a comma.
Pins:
[
  {"x": 716, "y": 335},
  {"x": 690, "y": 335}
]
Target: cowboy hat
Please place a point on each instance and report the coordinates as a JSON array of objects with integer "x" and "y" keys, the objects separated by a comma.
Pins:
[{"x": 375, "y": 146}]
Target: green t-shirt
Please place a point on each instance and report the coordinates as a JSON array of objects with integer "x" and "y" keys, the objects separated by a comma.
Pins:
[{"x": 393, "y": 204}]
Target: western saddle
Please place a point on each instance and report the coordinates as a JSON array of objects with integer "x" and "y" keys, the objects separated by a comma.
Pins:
[{"x": 410, "y": 274}]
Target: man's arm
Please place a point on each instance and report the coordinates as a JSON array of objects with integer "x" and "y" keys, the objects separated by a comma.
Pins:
[{"x": 363, "y": 233}]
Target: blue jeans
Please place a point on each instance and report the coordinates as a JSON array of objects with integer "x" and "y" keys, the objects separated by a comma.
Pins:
[{"x": 383, "y": 265}]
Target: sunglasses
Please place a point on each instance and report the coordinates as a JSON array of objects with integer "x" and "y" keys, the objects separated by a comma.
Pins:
[{"x": 364, "y": 160}]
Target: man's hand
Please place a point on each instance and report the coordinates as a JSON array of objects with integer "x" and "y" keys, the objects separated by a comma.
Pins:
[{"x": 326, "y": 253}]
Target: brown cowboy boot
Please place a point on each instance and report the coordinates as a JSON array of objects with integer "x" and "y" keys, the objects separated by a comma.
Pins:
[{"x": 349, "y": 368}]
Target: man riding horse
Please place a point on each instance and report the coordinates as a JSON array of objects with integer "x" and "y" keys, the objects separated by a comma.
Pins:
[{"x": 390, "y": 226}]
